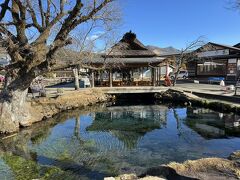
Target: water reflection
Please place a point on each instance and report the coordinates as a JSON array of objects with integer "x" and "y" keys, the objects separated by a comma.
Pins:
[
  {"x": 211, "y": 124},
  {"x": 129, "y": 124},
  {"x": 107, "y": 141}
]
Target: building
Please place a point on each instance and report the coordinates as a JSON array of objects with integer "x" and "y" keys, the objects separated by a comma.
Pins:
[
  {"x": 216, "y": 60},
  {"x": 125, "y": 64}
]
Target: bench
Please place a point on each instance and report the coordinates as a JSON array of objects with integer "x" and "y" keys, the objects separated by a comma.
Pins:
[
  {"x": 36, "y": 90},
  {"x": 215, "y": 79}
]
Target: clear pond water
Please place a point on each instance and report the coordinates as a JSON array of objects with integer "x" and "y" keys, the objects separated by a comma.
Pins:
[{"x": 108, "y": 141}]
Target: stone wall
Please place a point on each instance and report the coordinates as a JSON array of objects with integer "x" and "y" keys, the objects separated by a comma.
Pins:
[{"x": 44, "y": 108}]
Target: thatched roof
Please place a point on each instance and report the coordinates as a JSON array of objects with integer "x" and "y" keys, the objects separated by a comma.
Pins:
[
  {"x": 129, "y": 50},
  {"x": 69, "y": 57},
  {"x": 130, "y": 46}
]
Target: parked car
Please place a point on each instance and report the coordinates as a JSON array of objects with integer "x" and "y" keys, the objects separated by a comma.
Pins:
[
  {"x": 183, "y": 74},
  {"x": 2, "y": 78},
  {"x": 86, "y": 80}
]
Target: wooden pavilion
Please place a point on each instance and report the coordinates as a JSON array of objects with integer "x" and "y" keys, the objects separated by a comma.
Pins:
[{"x": 127, "y": 63}]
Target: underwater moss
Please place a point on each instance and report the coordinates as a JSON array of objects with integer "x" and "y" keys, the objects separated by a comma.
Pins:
[{"x": 23, "y": 169}]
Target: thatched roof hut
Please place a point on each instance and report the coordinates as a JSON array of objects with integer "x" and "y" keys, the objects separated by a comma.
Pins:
[{"x": 130, "y": 47}]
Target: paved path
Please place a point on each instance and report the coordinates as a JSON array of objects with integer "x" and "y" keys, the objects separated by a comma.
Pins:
[
  {"x": 205, "y": 88},
  {"x": 208, "y": 90},
  {"x": 201, "y": 88},
  {"x": 134, "y": 90}
]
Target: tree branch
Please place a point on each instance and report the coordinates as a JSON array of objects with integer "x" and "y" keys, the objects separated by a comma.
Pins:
[
  {"x": 41, "y": 12},
  {"x": 4, "y": 8},
  {"x": 18, "y": 14},
  {"x": 34, "y": 17}
]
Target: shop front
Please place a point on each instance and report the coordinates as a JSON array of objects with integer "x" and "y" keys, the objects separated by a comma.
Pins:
[{"x": 215, "y": 60}]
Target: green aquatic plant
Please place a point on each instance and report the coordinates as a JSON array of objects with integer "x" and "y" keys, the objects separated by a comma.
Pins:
[{"x": 23, "y": 169}]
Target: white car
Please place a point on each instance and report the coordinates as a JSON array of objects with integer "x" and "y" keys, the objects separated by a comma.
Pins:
[
  {"x": 182, "y": 75},
  {"x": 86, "y": 81}
]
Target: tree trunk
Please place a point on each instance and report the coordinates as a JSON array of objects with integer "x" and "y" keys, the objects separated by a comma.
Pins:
[
  {"x": 13, "y": 110},
  {"x": 76, "y": 78},
  {"x": 13, "y": 107},
  {"x": 175, "y": 77},
  {"x": 179, "y": 65}
]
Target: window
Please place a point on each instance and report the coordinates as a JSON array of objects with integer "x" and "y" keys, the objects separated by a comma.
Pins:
[{"x": 212, "y": 68}]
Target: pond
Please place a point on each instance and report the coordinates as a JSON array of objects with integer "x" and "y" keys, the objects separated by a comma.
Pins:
[{"x": 108, "y": 141}]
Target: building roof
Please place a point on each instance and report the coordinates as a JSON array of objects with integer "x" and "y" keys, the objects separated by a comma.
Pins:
[
  {"x": 221, "y": 45},
  {"x": 116, "y": 60},
  {"x": 69, "y": 57},
  {"x": 130, "y": 46}
]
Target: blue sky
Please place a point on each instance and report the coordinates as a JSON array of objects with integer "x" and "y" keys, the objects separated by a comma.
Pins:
[{"x": 176, "y": 22}]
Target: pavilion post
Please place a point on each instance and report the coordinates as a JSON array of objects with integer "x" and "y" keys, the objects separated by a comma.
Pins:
[
  {"x": 93, "y": 79},
  {"x": 153, "y": 76},
  {"x": 159, "y": 75},
  {"x": 110, "y": 78}
]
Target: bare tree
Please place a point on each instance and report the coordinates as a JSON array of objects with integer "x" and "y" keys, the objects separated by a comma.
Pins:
[
  {"x": 186, "y": 54},
  {"x": 233, "y": 4},
  {"x": 84, "y": 53},
  {"x": 32, "y": 32}
]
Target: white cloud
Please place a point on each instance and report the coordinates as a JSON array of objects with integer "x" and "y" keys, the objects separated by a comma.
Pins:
[{"x": 95, "y": 36}]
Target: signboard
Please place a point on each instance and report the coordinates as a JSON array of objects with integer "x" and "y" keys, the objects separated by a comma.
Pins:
[
  {"x": 213, "y": 53},
  {"x": 230, "y": 61},
  {"x": 232, "y": 67}
]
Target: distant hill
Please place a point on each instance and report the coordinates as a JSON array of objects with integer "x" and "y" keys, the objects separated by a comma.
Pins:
[{"x": 163, "y": 51}]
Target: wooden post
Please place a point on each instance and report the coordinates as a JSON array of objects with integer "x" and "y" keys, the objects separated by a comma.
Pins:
[
  {"x": 153, "y": 75},
  {"x": 110, "y": 78},
  {"x": 159, "y": 78},
  {"x": 159, "y": 75},
  {"x": 93, "y": 80}
]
